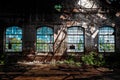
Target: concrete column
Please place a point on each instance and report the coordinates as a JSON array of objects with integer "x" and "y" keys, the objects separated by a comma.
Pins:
[
  {"x": 1, "y": 40},
  {"x": 117, "y": 31},
  {"x": 29, "y": 36}
]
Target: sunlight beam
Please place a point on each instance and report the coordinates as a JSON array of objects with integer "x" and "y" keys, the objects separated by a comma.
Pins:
[
  {"x": 87, "y": 4},
  {"x": 95, "y": 34}
]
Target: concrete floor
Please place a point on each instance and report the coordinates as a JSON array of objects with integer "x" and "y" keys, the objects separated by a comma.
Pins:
[{"x": 47, "y": 72}]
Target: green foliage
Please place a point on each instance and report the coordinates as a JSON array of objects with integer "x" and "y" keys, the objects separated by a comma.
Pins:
[
  {"x": 58, "y": 7},
  {"x": 79, "y": 45},
  {"x": 93, "y": 59},
  {"x": 15, "y": 40},
  {"x": 16, "y": 44},
  {"x": 71, "y": 57},
  {"x": 40, "y": 41},
  {"x": 71, "y": 61},
  {"x": 88, "y": 59},
  {"x": 42, "y": 45},
  {"x": 2, "y": 57},
  {"x": 107, "y": 47}
]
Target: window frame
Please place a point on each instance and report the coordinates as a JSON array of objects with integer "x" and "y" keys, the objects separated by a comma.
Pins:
[
  {"x": 51, "y": 42},
  {"x": 75, "y": 43},
  {"x": 20, "y": 28},
  {"x": 107, "y": 35}
]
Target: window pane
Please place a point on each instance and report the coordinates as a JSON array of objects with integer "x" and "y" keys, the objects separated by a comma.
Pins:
[
  {"x": 14, "y": 48},
  {"x": 106, "y": 47},
  {"x": 106, "y": 39},
  {"x": 75, "y": 38},
  {"x": 44, "y": 47},
  {"x": 44, "y": 30},
  {"x": 13, "y": 30},
  {"x": 77, "y": 48},
  {"x": 13, "y": 39},
  {"x": 44, "y": 39}
]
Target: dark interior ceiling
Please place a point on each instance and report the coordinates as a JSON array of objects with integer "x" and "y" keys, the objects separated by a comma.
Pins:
[
  {"x": 47, "y": 6},
  {"x": 31, "y": 6}
]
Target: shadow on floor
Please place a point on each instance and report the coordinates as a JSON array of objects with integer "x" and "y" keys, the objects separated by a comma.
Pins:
[{"x": 11, "y": 72}]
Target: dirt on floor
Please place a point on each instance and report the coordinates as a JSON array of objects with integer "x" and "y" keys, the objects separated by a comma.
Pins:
[{"x": 48, "y": 72}]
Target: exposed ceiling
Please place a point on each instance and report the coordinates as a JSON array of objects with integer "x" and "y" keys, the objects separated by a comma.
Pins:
[
  {"x": 20, "y": 6},
  {"x": 47, "y": 6}
]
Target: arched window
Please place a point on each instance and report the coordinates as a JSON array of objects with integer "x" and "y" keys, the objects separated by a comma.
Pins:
[
  {"x": 106, "y": 39},
  {"x": 13, "y": 41},
  {"x": 75, "y": 39},
  {"x": 44, "y": 39}
]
